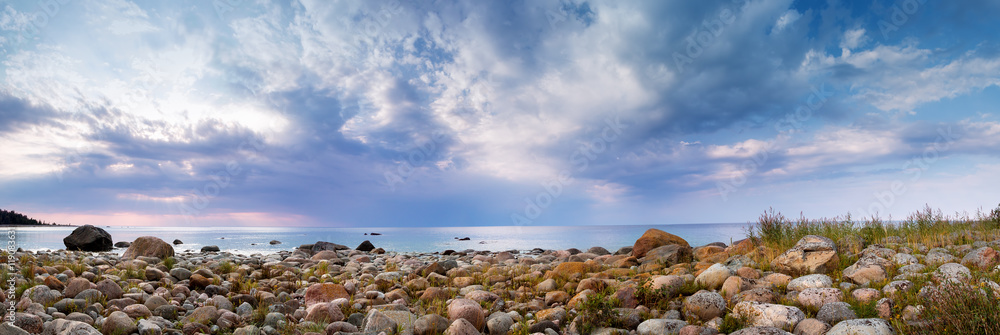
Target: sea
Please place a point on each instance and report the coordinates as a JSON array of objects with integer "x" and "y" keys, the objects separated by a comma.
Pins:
[{"x": 253, "y": 240}]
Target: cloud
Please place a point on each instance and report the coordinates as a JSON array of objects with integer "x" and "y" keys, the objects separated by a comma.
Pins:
[{"x": 457, "y": 111}]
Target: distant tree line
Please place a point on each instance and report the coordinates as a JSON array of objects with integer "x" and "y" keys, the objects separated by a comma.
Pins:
[{"x": 12, "y": 218}]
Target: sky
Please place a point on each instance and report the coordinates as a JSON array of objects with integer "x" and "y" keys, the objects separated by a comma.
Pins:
[{"x": 469, "y": 113}]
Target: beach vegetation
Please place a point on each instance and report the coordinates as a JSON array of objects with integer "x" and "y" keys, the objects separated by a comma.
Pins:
[
  {"x": 598, "y": 311},
  {"x": 731, "y": 323},
  {"x": 169, "y": 262},
  {"x": 658, "y": 298},
  {"x": 319, "y": 327},
  {"x": 777, "y": 233},
  {"x": 225, "y": 267},
  {"x": 956, "y": 308}
]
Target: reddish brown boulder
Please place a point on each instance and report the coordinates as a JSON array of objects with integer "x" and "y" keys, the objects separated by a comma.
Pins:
[
  {"x": 324, "y": 292},
  {"x": 653, "y": 238},
  {"x": 149, "y": 246}
]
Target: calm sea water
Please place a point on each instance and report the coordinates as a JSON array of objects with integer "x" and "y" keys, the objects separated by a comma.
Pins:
[{"x": 249, "y": 240}]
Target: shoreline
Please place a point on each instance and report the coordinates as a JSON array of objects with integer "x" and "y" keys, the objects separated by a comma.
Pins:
[{"x": 659, "y": 285}]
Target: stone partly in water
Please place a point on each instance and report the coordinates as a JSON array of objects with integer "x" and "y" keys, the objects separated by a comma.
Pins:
[
  {"x": 812, "y": 254},
  {"x": 653, "y": 238},
  {"x": 88, "y": 238},
  {"x": 210, "y": 248},
  {"x": 149, "y": 246},
  {"x": 122, "y": 244},
  {"x": 323, "y": 245},
  {"x": 366, "y": 246}
]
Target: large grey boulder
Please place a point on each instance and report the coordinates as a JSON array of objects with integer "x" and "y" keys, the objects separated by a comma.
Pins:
[{"x": 874, "y": 326}]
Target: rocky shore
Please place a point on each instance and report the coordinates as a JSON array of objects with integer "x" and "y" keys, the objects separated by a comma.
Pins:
[{"x": 660, "y": 285}]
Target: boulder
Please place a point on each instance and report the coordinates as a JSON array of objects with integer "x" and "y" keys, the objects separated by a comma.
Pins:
[
  {"x": 811, "y": 254},
  {"x": 69, "y": 327},
  {"x": 867, "y": 269},
  {"x": 119, "y": 323},
  {"x": 834, "y": 312},
  {"x": 147, "y": 327},
  {"x": 816, "y": 297},
  {"x": 568, "y": 269},
  {"x": 122, "y": 244},
  {"x": 653, "y": 238},
  {"x": 810, "y": 281},
  {"x": 29, "y": 322},
  {"x": 983, "y": 258},
  {"x": 769, "y": 315},
  {"x": 149, "y": 246},
  {"x": 953, "y": 272},
  {"x": 713, "y": 277},
  {"x": 10, "y": 329},
  {"x": 461, "y": 327},
  {"x": 874, "y": 326},
  {"x": 376, "y": 322},
  {"x": 759, "y": 294},
  {"x": 499, "y": 323},
  {"x": 668, "y": 255},
  {"x": 109, "y": 289},
  {"x": 339, "y": 326},
  {"x": 432, "y": 324},
  {"x": 365, "y": 246},
  {"x": 660, "y": 327},
  {"x": 42, "y": 294},
  {"x": 469, "y": 310},
  {"x": 176, "y": 242},
  {"x": 88, "y": 238},
  {"x": 760, "y": 331},
  {"x": 324, "y": 313},
  {"x": 705, "y": 305},
  {"x": 210, "y": 248},
  {"x": 203, "y": 315},
  {"x": 321, "y": 245},
  {"x": 811, "y": 327},
  {"x": 324, "y": 292},
  {"x": 137, "y": 311},
  {"x": 77, "y": 285}
]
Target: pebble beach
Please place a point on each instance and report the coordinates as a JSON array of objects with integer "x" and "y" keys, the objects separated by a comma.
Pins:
[{"x": 660, "y": 285}]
